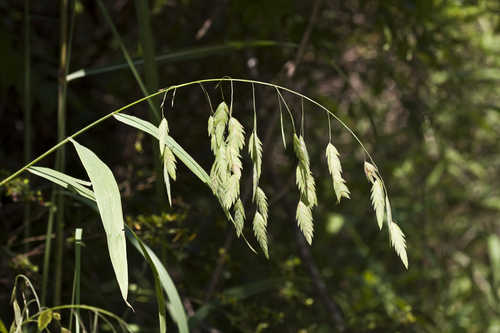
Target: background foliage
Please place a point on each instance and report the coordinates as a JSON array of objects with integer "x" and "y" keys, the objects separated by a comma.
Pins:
[{"x": 415, "y": 79}]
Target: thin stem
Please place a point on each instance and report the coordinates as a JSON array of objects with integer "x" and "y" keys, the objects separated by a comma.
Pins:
[
  {"x": 46, "y": 255},
  {"x": 208, "y": 97},
  {"x": 173, "y": 98},
  {"x": 75, "y": 299},
  {"x": 162, "y": 105},
  {"x": 130, "y": 63},
  {"x": 231, "y": 107},
  {"x": 302, "y": 117},
  {"x": 183, "y": 55},
  {"x": 27, "y": 111},
  {"x": 98, "y": 121},
  {"x": 81, "y": 131},
  {"x": 254, "y": 109},
  {"x": 329, "y": 129},
  {"x": 287, "y": 109},
  {"x": 61, "y": 154}
]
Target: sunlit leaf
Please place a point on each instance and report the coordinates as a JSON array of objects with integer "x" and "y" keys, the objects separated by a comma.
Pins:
[{"x": 110, "y": 208}]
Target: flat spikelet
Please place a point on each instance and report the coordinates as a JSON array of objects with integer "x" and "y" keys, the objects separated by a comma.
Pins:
[
  {"x": 307, "y": 186},
  {"x": 261, "y": 201},
  {"x": 169, "y": 162},
  {"x": 235, "y": 141},
  {"x": 398, "y": 242},
  {"x": 239, "y": 217},
  {"x": 299, "y": 146},
  {"x": 259, "y": 229},
  {"x": 163, "y": 133},
  {"x": 255, "y": 151},
  {"x": 305, "y": 221},
  {"x": 220, "y": 122},
  {"x": 220, "y": 164},
  {"x": 232, "y": 191},
  {"x": 370, "y": 171},
  {"x": 378, "y": 201},
  {"x": 335, "y": 169},
  {"x": 166, "y": 178},
  {"x": 236, "y": 136},
  {"x": 211, "y": 126}
]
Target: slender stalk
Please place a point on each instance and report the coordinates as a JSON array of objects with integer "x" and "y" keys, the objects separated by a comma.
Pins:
[
  {"x": 148, "y": 46},
  {"x": 75, "y": 298},
  {"x": 151, "y": 76},
  {"x": 183, "y": 55},
  {"x": 154, "y": 109},
  {"x": 46, "y": 255},
  {"x": 61, "y": 154},
  {"x": 162, "y": 91},
  {"x": 27, "y": 111}
]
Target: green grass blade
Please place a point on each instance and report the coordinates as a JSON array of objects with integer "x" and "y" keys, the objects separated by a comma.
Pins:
[
  {"x": 159, "y": 292},
  {"x": 61, "y": 179},
  {"x": 130, "y": 63},
  {"x": 183, "y": 55},
  {"x": 148, "y": 46},
  {"x": 175, "y": 307},
  {"x": 75, "y": 298},
  {"x": 151, "y": 129},
  {"x": 109, "y": 204}
]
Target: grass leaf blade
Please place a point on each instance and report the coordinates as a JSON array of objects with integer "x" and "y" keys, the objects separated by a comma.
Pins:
[
  {"x": 109, "y": 204},
  {"x": 175, "y": 306}
]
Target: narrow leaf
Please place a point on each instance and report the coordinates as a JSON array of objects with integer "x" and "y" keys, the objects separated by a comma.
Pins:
[
  {"x": 175, "y": 306},
  {"x": 61, "y": 179},
  {"x": 151, "y": 129},
  {"x": 110, "y": 208},
  {"x": 160, "y": 299}
]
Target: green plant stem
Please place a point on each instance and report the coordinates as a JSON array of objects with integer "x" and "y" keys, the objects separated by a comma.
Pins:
[
  {"x": 162, "y": 91},
  {"x": 183, "y": 55},
  {"x": 148, "y": 46},
  {"x": 109, "y": 21},
  {"x": 61, "y": 154},
  {"x": 151, "y": 77},
  {"x": 46, "y": 255},
  {"x": 75, "y": 298},
  {"x": 27, "y": 112}
]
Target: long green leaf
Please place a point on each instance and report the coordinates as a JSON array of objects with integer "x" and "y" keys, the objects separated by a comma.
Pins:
[
  {"x": 110, "y": 208},
  {"x": 183, "y": 55},
  {"x": 151, "y": 129},
  {"x": 175, "y": 307},
  {"x": 159, "y": 293},
  {"x": 64, "y": 180}
]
